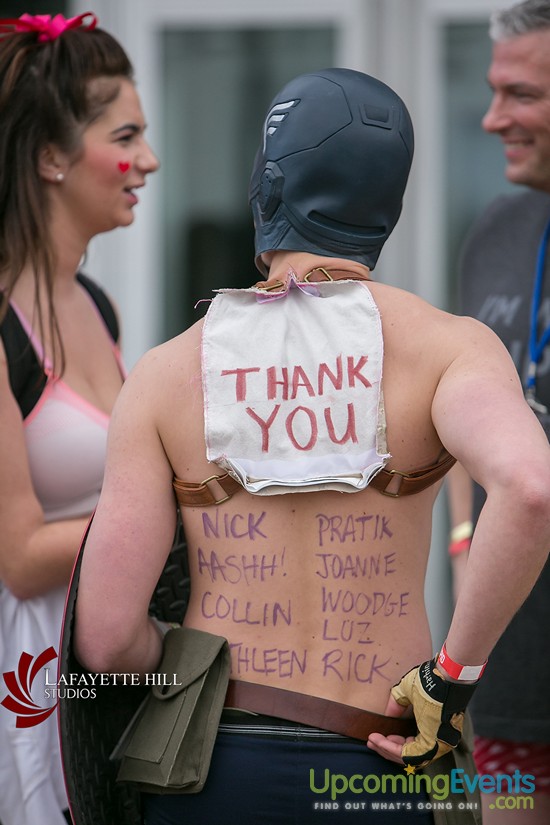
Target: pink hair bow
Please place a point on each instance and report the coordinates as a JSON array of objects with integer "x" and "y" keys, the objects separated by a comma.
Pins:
[{"x": 48, "y": 27}]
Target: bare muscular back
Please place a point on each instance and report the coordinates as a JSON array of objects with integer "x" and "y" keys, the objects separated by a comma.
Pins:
[{"x": 322, "y": 592}]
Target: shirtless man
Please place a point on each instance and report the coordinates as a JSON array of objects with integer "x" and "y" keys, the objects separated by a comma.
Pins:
[{"x": 318, "y": 592}]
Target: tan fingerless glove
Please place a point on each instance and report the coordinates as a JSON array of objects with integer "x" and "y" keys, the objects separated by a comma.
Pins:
[{"x": 438, "y": 707}]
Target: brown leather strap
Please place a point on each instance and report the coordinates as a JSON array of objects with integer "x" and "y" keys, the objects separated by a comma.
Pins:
[
  {"x": 205, "y": 493},
  {"x": 314, "y": 276},
  {"x": 314, "y": 711},
  {"x": 410, "y": 483}
]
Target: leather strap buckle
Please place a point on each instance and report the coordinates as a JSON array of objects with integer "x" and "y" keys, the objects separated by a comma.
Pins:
[
  {"x": 215, "y": 500},
  {"x": 205, "y": 493},
  {"x": 316, "y": 275},
  {"x": 392, "y": 473},
  {"x": 413, "y": 482},
  {"x": 325, "y": 272},
  {"x": 269, "y": 286}
]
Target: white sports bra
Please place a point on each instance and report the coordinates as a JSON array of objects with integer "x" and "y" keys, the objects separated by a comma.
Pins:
[{"x": 66, "y": 439}]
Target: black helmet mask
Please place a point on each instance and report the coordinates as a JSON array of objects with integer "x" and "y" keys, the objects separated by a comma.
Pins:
[{"x": 332, "y": 167}]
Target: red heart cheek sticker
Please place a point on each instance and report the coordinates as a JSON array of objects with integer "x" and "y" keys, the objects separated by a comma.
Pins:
[{"x": 123, "y": 167}]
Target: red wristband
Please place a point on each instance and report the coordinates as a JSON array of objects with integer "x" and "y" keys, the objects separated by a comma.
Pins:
[
  {"x": 457, "y": 547},
  {"x": 463, "y": 673},
  {"x": 461, "y": 538}
]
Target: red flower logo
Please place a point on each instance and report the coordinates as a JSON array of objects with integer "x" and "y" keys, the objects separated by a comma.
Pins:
[{"x": 19, "y": 685}]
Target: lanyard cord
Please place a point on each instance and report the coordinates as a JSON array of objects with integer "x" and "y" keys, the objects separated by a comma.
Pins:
[{"x": 536, "y": 347}]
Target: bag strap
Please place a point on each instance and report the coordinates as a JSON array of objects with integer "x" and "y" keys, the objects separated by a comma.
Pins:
[{"x": 315, "y": 711}]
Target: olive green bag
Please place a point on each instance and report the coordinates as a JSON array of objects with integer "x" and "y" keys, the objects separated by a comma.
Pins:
[{"x": 167, "y": 747}]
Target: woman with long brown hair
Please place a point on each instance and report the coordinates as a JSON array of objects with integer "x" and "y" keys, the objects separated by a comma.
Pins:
[{"x": 72, "y": 157}]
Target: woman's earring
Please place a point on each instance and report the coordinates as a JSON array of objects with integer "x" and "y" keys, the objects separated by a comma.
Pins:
[{"x": 59, "y": 177}]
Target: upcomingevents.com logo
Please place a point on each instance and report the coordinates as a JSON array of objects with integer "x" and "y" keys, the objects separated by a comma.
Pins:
[{"x": 19, "y": 684}]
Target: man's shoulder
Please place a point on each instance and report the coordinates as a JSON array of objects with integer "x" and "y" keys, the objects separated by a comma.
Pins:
[
  {"x": 504, "y": 234},
  {"x": 509, "y": 210}
]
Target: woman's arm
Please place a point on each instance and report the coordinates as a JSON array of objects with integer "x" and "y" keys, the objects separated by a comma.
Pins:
[
  {"x": 34, "y": 556},
  {"x": 130, "y": 536}
]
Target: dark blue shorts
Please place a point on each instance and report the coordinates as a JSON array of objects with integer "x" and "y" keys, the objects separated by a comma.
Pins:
[{"x": 272, "y": 772}]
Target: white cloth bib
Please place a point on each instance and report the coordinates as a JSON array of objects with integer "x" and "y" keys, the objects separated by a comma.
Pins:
[{"x": 292, "y": 387}]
